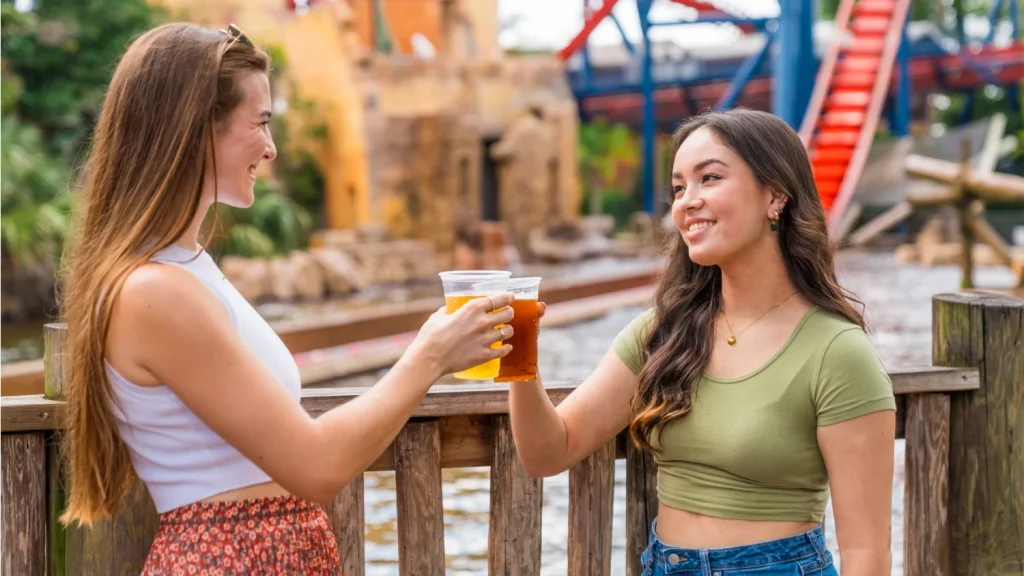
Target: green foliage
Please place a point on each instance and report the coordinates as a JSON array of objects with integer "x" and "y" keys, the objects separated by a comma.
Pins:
[
  {"x": 33, "y": 184},
  {"x": 274, "y": 224},
  {"x": 64, "y": 52},
  {"x": 609, "y": 162},
  {"x": 57, "y": 62}
]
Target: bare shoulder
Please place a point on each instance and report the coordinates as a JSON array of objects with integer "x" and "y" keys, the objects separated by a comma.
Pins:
[
  {"x": 158, "y": 309},
  {"x": 165, "y": 293}
]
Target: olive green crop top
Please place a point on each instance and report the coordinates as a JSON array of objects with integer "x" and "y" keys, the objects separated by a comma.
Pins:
[{"x": 748, "y": 449}]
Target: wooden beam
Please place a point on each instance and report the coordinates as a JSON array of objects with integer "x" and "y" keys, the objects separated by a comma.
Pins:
[
  {"x": 993, "y": 186},
  {"x": 984, "y": 231},
  {"x": 641, "y": 503},
  {"x": 933, "y": 379},
  {"x": 27, "y": 413},
  {"x": 514, "y": 529},
  {"x": 591, "y": 487},
  {"x": 881, "y": 223},
  {"x": 418, "y": 495},
  {"x": 348, "y": 522},
  {"x": 24, "y": 503},
  {"x": 926, "y": 487}
]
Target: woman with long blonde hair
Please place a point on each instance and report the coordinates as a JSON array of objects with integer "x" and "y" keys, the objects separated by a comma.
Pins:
[{"x": 172, "y": 376}]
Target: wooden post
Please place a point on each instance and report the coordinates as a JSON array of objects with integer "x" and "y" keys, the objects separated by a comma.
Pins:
[
  {"x": 513, "y": 542},
  {"x": 418, "y": 494},
  {"x": 963, "y": 210},
  {"x": 926, "y": 489},
  {"x": 54, "y": 336},
  {"x": 591, "y": 485},
  {"x": 641, "y": 503},
  {"x": 24, "y": 503},
  {"x": 348, "y": 520},
  {"x": 986, "y": 466}
]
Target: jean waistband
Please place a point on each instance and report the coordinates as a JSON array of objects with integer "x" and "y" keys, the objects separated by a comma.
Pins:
[{"x": 792, "y": 548}]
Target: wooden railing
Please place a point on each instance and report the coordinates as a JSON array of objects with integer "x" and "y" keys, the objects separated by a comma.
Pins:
[{"x": 964, "y": 506}]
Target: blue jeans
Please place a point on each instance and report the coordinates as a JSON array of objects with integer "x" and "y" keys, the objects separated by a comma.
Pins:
[{"x": 801, "y": 555}]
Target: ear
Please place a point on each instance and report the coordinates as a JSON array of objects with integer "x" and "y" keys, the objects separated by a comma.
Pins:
[{"x": 778, "y": 202}]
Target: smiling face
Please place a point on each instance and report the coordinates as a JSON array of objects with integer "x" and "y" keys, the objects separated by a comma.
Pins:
[
  {"x": 242, "y": 142},
  {"x": 720, "y": 209}
]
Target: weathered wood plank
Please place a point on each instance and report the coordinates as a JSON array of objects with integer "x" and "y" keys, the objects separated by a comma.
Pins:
[
  {"x": 30, "y": 413},
  {"x": 118, "y": 545},
  {"x": 26, "y": 413},
  {"x": 54, "y": 336},
  {"x": 418, "y": 494},
  {"x": 641, "y": 503},
  {"x": 986, "y": 514},
  {"x": 926, "y": 489},
  {"x": 514, "y": 530},
  {"x": 441, "y": 400},
  {"x": 24, "y": 503},
  {"x": 132, "y": 531},
  {"x": 348, "y": 521},
  {"x": 55, "y": 502},
  {"x": 933, "y": 379},
  {"x": 591, "y": 484}
]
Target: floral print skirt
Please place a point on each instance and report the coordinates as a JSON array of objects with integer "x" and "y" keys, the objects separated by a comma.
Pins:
[{"x": 281, "y": 535}]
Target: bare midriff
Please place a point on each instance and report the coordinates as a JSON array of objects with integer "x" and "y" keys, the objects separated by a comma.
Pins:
[
  {"x": 264, "y": 490},
  {"x": 684, "y": 529}
]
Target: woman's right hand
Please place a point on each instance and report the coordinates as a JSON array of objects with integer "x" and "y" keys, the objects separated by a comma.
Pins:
[{"x": 450, "y": 343}]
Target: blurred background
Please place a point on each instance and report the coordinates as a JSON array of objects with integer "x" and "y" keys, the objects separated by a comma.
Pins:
[{"x": 422, "y": 135}]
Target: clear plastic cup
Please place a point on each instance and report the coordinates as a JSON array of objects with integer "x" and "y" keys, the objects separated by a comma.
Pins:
[
  {"x": 521, "y": 363},
  {"x": 461, "y": 286}
]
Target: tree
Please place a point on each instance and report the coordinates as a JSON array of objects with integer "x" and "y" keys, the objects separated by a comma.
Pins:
[{"x": 64, "y": 52}]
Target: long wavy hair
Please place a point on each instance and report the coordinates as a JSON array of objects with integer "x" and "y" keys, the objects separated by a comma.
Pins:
[
  {"x": 140, "y": 190},
  {"x": 689, "y": 296}
]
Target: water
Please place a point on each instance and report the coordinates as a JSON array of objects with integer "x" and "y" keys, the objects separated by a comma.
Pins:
[{"x": 898, "y": 309}]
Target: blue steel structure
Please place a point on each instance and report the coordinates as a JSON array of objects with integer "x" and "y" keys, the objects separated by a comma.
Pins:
[{"x": 793, "y": 67}]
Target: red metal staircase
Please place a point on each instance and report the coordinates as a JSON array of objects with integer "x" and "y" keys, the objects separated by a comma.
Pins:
[{"x": 849, "y": 94}]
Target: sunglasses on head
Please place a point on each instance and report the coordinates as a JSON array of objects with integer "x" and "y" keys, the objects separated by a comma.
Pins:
[{"x": 237, "y": 35}]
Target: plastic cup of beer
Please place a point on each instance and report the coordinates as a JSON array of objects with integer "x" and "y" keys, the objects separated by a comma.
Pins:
[
  {"x": 460, "y": 287},
  {"x": 521, "y": 363}
]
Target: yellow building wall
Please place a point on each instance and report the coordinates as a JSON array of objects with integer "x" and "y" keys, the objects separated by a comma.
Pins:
[{"x": 321, "y": 46}]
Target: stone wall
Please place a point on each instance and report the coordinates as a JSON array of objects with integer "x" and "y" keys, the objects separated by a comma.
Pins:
[{"x": 430, "y": 124}]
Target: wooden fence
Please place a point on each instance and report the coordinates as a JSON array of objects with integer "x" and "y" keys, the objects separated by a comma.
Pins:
[{"x": 962, "y": 420}]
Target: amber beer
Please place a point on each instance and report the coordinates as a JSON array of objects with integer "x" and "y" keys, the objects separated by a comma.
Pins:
[
  {"x": 521, "y": 362},
  {"x": 465, "y": 285}
]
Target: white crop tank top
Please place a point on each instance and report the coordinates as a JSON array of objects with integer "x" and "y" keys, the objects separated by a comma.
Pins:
[{"x": 179, "y": 458}]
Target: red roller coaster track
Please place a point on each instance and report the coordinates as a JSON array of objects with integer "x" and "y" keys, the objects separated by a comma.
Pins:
[{"x": 601, "y": 13}]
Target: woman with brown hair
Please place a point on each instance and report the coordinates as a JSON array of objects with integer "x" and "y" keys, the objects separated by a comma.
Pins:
[
  {"x": 751, "y": 379},
  {"x": 172, "y": 375}
]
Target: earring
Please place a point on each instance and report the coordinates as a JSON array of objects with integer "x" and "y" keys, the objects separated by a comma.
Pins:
[{"x": 775, "y": 221}]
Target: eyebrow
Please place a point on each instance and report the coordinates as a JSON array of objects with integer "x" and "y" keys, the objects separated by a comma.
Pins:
[{"x": 701, "y": 165}]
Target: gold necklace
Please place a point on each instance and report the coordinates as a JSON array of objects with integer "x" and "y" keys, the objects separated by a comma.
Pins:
[{"x": 732, "y": 335}]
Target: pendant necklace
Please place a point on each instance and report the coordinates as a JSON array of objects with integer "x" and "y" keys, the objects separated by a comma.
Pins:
[{"x": 732, "y": 335}]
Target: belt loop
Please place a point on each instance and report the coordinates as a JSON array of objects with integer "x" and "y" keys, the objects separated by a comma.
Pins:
[{"x": 818, "y": 543}]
